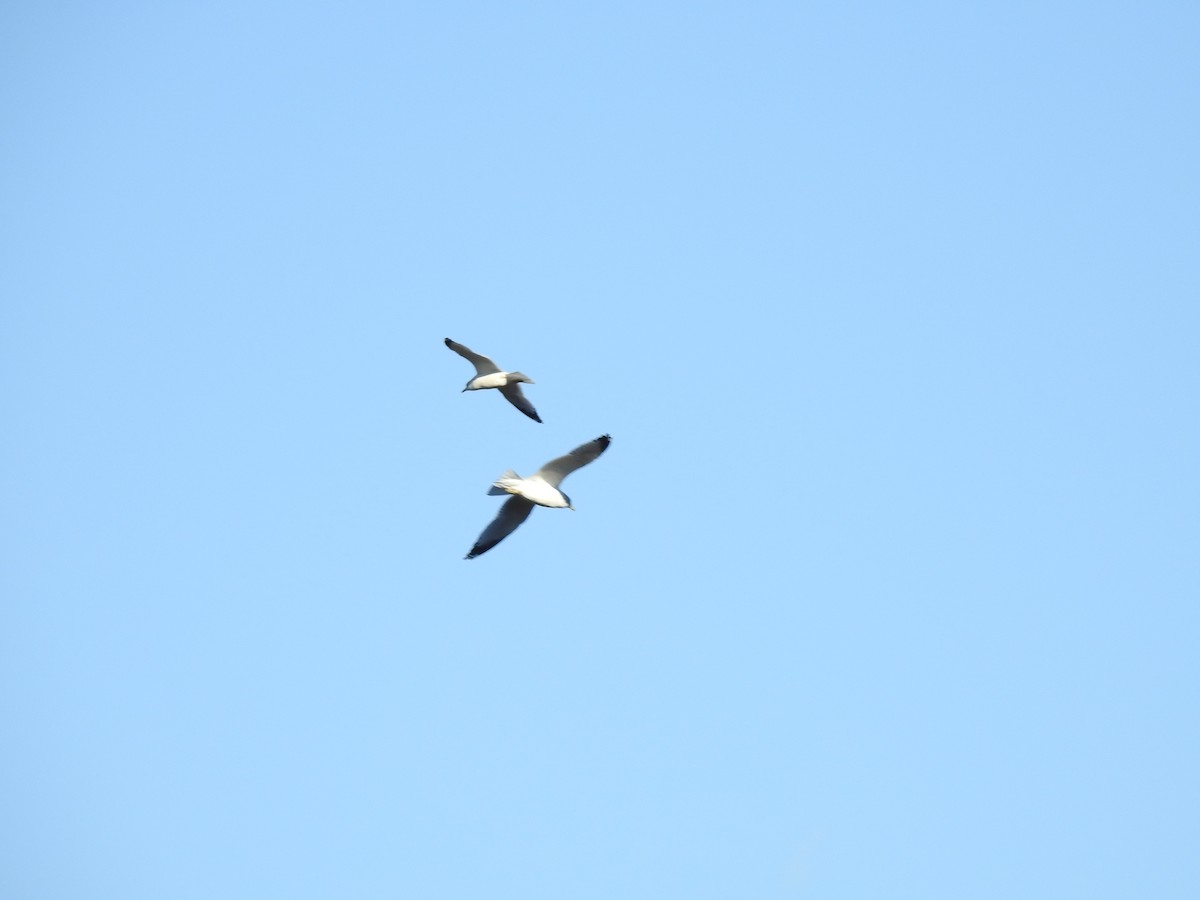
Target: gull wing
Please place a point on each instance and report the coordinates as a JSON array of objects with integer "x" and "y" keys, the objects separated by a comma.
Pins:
[
  {"x": 515, "y": 511},
  {"x": 483, "y": 365},
  {"x": 556, "y": 470},
  {"x": 514, "y": 395}
]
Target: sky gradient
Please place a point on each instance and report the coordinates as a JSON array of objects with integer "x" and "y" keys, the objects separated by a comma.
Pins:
[{"x": 885, "y": 588}]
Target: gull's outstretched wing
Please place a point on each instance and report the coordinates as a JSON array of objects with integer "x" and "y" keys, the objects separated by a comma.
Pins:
[
  {"x": 515, "y": 511},
  {"x": 556, "y": 470},
  {"x": 483, "y": 365},
  {"x": 513, "y": 394}
]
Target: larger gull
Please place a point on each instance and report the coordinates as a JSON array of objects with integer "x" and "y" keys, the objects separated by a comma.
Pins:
[
  {"x": 540, "y": 488},
  {"x": 490, "y": 375}
]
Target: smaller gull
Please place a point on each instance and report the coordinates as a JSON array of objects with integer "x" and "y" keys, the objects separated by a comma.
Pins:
[
  {"x": 490, "y": 375},
  {"x": 540, "y": 488}
]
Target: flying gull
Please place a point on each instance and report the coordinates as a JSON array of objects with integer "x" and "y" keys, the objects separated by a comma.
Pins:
[
  {"x": 490, "y": 375},
  {"x": 541, "y": 488}
]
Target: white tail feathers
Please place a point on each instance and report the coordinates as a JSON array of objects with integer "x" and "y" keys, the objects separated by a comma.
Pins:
[{"x": 508, "y": 483}]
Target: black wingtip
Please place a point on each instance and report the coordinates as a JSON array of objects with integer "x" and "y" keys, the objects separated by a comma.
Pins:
[{"x": 449, "y": 342}]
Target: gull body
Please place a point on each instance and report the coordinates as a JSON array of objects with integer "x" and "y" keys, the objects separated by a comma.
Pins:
[
  {"x": 489, "y": 375},
  {"x": 539, "y": 489},
  {"x": 533, "y": 488},
  {"x": 496, "y": 380}
]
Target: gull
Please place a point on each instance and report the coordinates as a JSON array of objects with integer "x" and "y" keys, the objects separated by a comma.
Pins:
[
  {"x": 540, "y": 488},
  {"x": 490, "y": 375}
]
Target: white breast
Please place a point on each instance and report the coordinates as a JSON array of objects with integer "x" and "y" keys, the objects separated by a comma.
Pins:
[
  {"x": 542, "y": 494},
  {"x": 494, "y": 380}
]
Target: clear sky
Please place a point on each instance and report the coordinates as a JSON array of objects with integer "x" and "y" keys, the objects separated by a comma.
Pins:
[{"x": 886, "y": 588}]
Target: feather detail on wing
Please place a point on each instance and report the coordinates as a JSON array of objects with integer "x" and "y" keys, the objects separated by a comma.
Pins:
[
  {"x": 513, "y": 394},
  {"x": 514, "y": 511},
  {"x": 556, "y": 470},
  {"x": 483, "y": 365}
]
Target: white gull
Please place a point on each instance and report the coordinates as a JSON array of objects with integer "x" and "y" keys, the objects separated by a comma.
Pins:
[
  {"x": 490, "y": 375},
  {"x": 540, "y": 488}
]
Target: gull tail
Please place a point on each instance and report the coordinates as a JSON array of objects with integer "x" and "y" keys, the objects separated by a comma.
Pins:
[{"x": 508, "y": 483}]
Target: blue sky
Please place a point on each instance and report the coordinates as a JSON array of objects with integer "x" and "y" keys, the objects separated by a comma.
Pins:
[{"x": 885, "y": 588}]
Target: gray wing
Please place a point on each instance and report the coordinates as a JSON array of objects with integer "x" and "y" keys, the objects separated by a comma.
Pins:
[
  {"x": 514, "y": 395},
  {"x": 483, "y": 365},
  {"x": 515, "y": 511},
  {"x": 556, "y": 470}
]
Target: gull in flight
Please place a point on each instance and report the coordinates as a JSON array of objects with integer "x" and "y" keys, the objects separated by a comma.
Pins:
[
  {"x": 490, "y": 375},
  {"x": 540, "y": 488}
]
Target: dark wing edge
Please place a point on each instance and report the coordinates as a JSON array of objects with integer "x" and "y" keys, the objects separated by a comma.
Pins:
[
  {"x": 557, "y": 469},
  {"x": 483, "y": 365},
  {"x": 515, "y": 511},
  {"x": 514, "y": 395}
]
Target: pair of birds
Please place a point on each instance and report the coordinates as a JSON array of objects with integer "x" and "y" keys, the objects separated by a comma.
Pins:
[{"x": 540, "y": 488}]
